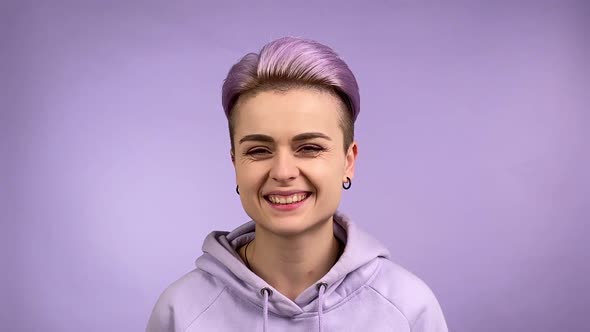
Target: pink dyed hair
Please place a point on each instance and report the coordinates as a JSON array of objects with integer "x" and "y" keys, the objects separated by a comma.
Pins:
[{"x": 293, "y": 62}]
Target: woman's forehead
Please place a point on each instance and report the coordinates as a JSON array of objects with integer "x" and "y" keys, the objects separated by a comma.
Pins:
[
  {"x": 289, "y": 129},
  {"x": 299, "y": 110}
]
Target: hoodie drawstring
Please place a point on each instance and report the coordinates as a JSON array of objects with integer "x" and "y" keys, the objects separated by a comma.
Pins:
[
  {"x": 267, "y": 292},
  {"x": 321, "y": 289}
]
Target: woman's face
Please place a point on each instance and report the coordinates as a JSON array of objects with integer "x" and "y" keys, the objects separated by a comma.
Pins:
[{"x": 289, "y": 149}]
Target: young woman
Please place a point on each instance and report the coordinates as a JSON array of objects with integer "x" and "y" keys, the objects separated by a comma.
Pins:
[{"x": 299, "y": 265}]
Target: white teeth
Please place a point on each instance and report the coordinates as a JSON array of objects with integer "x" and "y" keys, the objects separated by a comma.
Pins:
[{"x": 277, "y": 199}]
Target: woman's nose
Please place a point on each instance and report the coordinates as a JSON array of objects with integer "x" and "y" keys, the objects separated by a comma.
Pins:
[{"x": 284, "y": 167}]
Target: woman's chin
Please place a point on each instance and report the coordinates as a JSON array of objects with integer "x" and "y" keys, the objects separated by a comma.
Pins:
[{"x": 290, "y": 226}]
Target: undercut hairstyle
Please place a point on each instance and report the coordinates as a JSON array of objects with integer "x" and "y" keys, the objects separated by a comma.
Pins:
[{"x": 289, "y": 63}]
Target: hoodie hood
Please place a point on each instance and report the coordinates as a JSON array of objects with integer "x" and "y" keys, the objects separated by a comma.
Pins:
[{"x": 352, "y": 270}]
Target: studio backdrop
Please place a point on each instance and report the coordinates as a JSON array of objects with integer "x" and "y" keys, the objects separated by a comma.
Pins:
[{"x": 473, "y": 150}]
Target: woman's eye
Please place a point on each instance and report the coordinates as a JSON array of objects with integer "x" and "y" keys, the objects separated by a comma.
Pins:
[
  {"x": 257, "y": 152},
  {"x": 311, "y": 149}
]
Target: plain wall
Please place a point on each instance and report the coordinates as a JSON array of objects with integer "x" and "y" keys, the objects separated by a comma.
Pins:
[{"x": 473, "y": 163}]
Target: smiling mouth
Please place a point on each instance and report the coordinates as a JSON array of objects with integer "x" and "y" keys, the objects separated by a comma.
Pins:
[{"x": 286, "y": 200}]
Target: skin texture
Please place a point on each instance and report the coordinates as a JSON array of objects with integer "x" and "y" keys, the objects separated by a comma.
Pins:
[{"x": 292, "y": 249}]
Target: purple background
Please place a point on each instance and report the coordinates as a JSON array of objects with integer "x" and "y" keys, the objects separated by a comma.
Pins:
[{"x": 473, "y": 161}]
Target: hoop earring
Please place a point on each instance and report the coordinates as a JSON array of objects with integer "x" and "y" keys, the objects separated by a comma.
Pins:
[
  {"x": 238, "y": 189},
  {"x": 346, "y": 185}
]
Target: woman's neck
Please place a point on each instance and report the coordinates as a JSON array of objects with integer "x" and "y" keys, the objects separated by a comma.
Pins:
[{"x": 291, "y": 265}]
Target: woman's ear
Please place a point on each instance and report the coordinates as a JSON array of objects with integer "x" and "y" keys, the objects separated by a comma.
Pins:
[{"x": 350, "y": 160}]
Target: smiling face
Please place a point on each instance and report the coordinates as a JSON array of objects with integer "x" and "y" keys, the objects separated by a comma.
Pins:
[{"x": 289, "y": 158}]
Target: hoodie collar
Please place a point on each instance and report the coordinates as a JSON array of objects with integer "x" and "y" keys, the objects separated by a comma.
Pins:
[{"x": 221, "y": 259}]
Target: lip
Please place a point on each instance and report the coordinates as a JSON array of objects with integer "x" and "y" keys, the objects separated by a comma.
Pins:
[
  {"x": 286, "y": 193},
  {"x": 288, "y": 207}
]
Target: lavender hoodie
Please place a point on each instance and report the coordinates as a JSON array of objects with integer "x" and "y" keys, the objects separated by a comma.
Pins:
[{"x": 364, "y": 291}]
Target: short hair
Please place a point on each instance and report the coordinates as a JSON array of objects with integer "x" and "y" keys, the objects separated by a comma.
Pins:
[{"x": 291, "y": 62}]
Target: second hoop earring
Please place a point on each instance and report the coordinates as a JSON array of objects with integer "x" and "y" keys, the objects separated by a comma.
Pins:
[
  {"x": 346, "y": 185},
  {"x": 238, "y": 190}
]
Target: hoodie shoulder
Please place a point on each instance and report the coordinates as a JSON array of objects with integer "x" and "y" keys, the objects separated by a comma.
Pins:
[
  {"x": 410, "y": 295},
  {"x": 183, "y": 301}
]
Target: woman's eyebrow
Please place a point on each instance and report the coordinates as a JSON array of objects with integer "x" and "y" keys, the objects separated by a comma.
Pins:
[
  {"x": 308, "y": 136},
  {"x": 257, "y": 138},
  {"x": 296, "y": 138}
]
